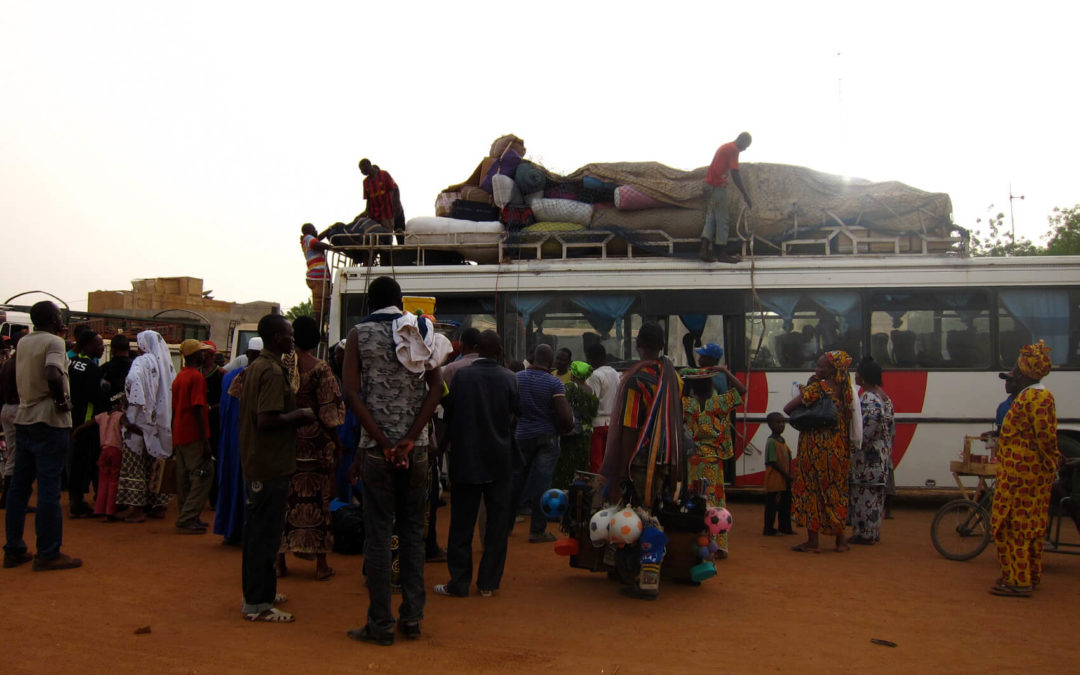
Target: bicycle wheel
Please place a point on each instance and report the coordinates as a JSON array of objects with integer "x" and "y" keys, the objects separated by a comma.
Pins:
[{"x": 961, "y": 529}]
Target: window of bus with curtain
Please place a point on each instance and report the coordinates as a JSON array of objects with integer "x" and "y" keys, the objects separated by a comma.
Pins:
[
  {"x": 946, "y": 329},
  {"x": 791, "y": 329},
  {"x": 570, "y": 320}
]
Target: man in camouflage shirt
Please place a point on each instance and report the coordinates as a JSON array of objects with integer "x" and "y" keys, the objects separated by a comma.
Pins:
[{"x": 393, "y": 406}]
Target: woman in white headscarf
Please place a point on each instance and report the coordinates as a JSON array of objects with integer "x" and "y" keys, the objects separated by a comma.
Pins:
[{"x": 147, "y": 428}]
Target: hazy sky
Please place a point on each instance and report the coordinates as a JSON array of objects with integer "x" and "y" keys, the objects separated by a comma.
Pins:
[{"x": 142, "y": 139}]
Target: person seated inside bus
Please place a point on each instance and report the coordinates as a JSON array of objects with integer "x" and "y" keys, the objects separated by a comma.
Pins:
[
  {"x": 879, "y": 349},
  {"x": 903, "y": 346}
]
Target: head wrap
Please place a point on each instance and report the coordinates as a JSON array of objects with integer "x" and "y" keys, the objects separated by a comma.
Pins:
[
  {"x": 841, "y": 362},
  {"x": 1034, "y": 360},
  {"x": 580, "y": 370}
]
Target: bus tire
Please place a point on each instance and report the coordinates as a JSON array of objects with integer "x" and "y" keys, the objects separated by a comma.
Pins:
[{"x": 960, "y": 529}]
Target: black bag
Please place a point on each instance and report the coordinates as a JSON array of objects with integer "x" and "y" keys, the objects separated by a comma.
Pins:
[
  {"x": 818, "y": 415},
  {"x": 348, "y": 529},
  {"x": 475, "y": 211}
]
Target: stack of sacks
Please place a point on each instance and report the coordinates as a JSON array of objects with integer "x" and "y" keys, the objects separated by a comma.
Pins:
[{"x": 474, "y": 199}]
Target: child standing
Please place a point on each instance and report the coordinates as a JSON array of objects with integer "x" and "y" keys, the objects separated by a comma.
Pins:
[
  {"x": 777, "y": 479},
  {"x": 108, "y": 424}
]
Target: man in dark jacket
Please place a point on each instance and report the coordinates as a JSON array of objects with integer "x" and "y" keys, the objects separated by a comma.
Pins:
[{"x": 480, "y": 408}]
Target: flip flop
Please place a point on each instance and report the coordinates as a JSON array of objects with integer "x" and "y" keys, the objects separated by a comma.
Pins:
[
  {"x": 803, "y": 548},
  {"x": 272, "y": 615},
  {"x": 325, "y": 576},
  {"x": 1007, "y": 591}
]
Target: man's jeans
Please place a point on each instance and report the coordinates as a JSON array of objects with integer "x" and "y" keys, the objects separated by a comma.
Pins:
[
  {"x": 264, "y": 521},
  {"x": 716, "y": 216},
  {"x": 394, "y": 499},
  {"x": 40, "y": 450},
  {"x": 540, "y": 455}
]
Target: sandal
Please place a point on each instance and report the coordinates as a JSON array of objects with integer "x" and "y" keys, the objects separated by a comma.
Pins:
[
  {"x": 136, "y": 518},
  {"x": 324, "y": 576},
  {"x": 805, "y": 548},
  {"x": 272, "y": 615},
  {"x": 1008, "y": 591},
  {"x": 280, "y": 598}
]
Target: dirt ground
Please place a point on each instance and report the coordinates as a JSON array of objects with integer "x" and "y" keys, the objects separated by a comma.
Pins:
[{"x": 769, "y": 610}]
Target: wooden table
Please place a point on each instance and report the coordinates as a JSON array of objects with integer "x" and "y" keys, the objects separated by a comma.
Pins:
[{"x": 982, "y": 471}]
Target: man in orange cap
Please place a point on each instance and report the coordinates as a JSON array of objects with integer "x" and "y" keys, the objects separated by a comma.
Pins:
[{"x": 1027, "y": 463}]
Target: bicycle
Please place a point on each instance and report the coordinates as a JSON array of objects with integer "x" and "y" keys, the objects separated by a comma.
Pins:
[{"x": 961, "y": 529}]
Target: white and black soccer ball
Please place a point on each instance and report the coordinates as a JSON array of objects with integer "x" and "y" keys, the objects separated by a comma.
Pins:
[{"x": 598, "y": 527}]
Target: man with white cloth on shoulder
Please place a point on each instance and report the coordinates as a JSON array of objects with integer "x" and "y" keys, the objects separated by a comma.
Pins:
[{"x": 392, "y": 383}]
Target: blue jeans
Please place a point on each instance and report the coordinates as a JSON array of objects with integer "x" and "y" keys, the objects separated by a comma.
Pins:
[
  {"x": 541, "y": 454},
  {"x": 394, "y": 501},
  {"x": 716, "y": 216},
  {"x": 40, "y": 450}
]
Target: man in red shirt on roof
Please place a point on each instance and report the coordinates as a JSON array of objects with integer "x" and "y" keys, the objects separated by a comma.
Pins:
[
  {"x": 191, "y": 439},
  {"x": 382, "y": 195},
  {"x": 715, "y": 234}
]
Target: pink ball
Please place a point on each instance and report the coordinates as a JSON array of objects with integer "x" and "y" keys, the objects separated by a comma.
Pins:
[{"x": 718, "y": 520}]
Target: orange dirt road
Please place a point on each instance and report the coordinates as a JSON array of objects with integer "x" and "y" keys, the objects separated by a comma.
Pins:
[{"x": 769, "y": 610}]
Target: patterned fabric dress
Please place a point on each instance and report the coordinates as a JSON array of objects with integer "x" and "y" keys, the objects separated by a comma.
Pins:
[
  {"x": 819, "y": 490},
  {"x": 710, "y": 425},
  {"x": 870, "y": 466},
  {"x": 307, "y": 516},
  {"x": 1027, "y": 462},
  {"x": 136, "y": 471}
]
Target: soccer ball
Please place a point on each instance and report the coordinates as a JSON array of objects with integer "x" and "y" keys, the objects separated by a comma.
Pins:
[
  {"x": 554, "y": 503},
  {"x": 598, "y": 527},
  {"x": 718, "y": 520},
  {"x": 625, "y": 527}
]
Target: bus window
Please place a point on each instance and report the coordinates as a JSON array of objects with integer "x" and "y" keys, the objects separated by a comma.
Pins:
[
  {"x": 948, "y": 329},
  {"x": 794, "y": 327},
  {"x": 687, "y": 332},
  {"x": 1026, "y": 316},
  {"x": 570, "y": 320}
]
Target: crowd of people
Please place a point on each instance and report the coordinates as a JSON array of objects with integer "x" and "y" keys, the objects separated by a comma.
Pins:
[{"x": 290, "y": 433}]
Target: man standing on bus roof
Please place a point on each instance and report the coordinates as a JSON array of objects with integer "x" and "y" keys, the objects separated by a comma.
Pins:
[
  {"x": 1027, "y": 463},
  {"x": 714, "y": 236},
  {"x": 318, "y": 276},
  {"x": 382, "y": 195}
]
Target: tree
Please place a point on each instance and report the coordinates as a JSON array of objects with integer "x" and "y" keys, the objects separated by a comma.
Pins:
[
  {"x": 1064, "y": 235},
  {"x": 1062, "y": 239},
  {"x": 303, "y": 309}
]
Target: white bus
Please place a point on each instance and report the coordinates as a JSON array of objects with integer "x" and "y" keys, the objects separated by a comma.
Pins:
[{"x": 942, "y": 327}]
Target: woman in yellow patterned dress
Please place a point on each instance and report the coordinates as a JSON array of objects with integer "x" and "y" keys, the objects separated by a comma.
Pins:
[
  {"x": 1027, "y": 463},
  {"x": 819, "y": 491},
  {"x": 707, "y": 416}
]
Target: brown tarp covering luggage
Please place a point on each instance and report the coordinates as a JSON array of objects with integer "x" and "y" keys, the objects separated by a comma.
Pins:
[{"x": 784, "y": 194}]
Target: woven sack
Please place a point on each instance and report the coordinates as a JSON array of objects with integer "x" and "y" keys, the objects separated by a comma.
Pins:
[{"x": 562, "y": 211}]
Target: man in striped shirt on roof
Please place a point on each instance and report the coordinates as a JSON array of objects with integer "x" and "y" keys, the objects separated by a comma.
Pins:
[{"x": 382, "y": 195}]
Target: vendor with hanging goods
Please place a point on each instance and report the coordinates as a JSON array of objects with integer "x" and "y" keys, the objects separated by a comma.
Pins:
[
  {"x": 645, "y": 447},
  {"x": 714, "y": 236},
  {"x": 1027, "y": 463}
]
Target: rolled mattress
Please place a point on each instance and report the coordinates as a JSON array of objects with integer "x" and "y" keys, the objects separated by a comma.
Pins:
[{"x": 475, "y": 240}]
